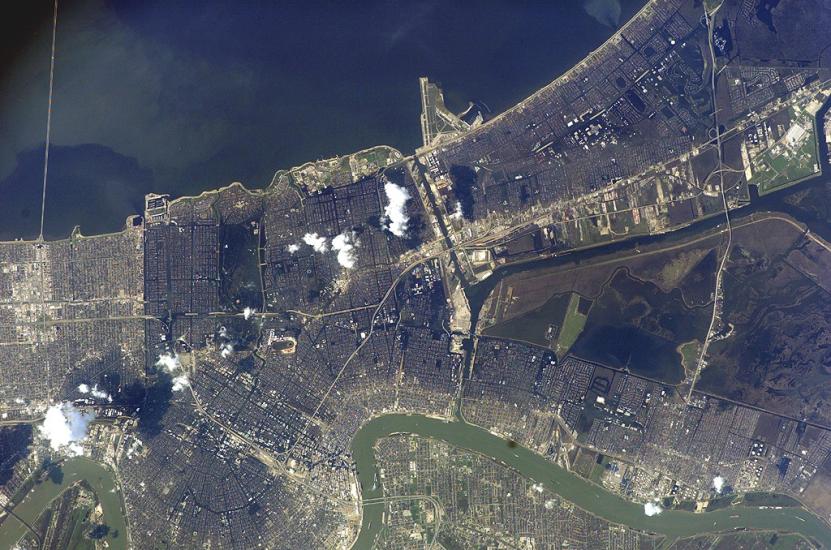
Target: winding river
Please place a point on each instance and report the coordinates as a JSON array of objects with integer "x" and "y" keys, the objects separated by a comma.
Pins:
[
  {"x": 569, "y": 486},
  {"x": 38, "y": 499}
]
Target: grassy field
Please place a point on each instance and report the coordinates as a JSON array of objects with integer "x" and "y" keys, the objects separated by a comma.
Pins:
[
  {"x": 597, "y": 472},
  {"x": 572, "y": 326},
  {"x": 538, "y": 326},
  {"x": 689, "y": 354},
  {"x": 781, "y": 166},
  {"x": 77, "y": 540}
]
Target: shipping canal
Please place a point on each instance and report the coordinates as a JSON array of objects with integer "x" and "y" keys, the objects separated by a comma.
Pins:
[
  {"x": 569, "y": 486},
  {"x": 100, "y": 479}
]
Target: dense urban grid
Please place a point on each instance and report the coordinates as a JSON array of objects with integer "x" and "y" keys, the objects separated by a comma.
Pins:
[{"x": 222, "y": 351}]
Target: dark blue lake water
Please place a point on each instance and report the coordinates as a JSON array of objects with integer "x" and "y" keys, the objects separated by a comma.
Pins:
[{"x": 178, "y": 97}]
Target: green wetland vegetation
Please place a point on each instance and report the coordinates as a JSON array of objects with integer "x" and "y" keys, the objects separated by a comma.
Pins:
[
  {"x": 539, "y": 326},
  {"x": 635, "y": 325}
]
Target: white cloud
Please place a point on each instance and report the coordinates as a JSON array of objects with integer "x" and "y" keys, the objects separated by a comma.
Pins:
[
  {"x": 345, "y": 245},
  {"x": 718, "y": 484},
  {"x": 169, "y": 362},
  {"x": 65, "y": 427},
  {"x": 83, "y": 388},
  {"x": 180, "y": 382},
  {"x": 457, "y": 211},
  {"x": 395, "y": 213},
  {"x": 652, "y": 509},
  {"x": 316, "y": 241},
  {"x": 292, "y": 248}
]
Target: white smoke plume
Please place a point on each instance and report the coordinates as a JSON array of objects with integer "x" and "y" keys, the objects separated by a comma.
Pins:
[
  {"x": 94, "y": 391},
  {"x": 457, "y": 211},
  {"x": 718, "y": 484},
  {"x": 316, "y": 241},
  {"x": 652, "y": 509},
  {"x": 227, "y": 350},
  {"x": 395, "y": 213},
  {"x": 345, "y": 245},
  {"x": 247, "y": 312},
  {"x": 65, "y": 427},
  {"x": 100, "y": 394},
  {"x": 180, "y": 382},
  {"x": 169, "y": 362}
]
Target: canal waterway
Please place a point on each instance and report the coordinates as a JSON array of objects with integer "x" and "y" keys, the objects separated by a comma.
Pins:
[
  {"x": 584, "y": 494},
  {"x": 38, "y": 499},
  {"x": 806, "y": 202}
]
